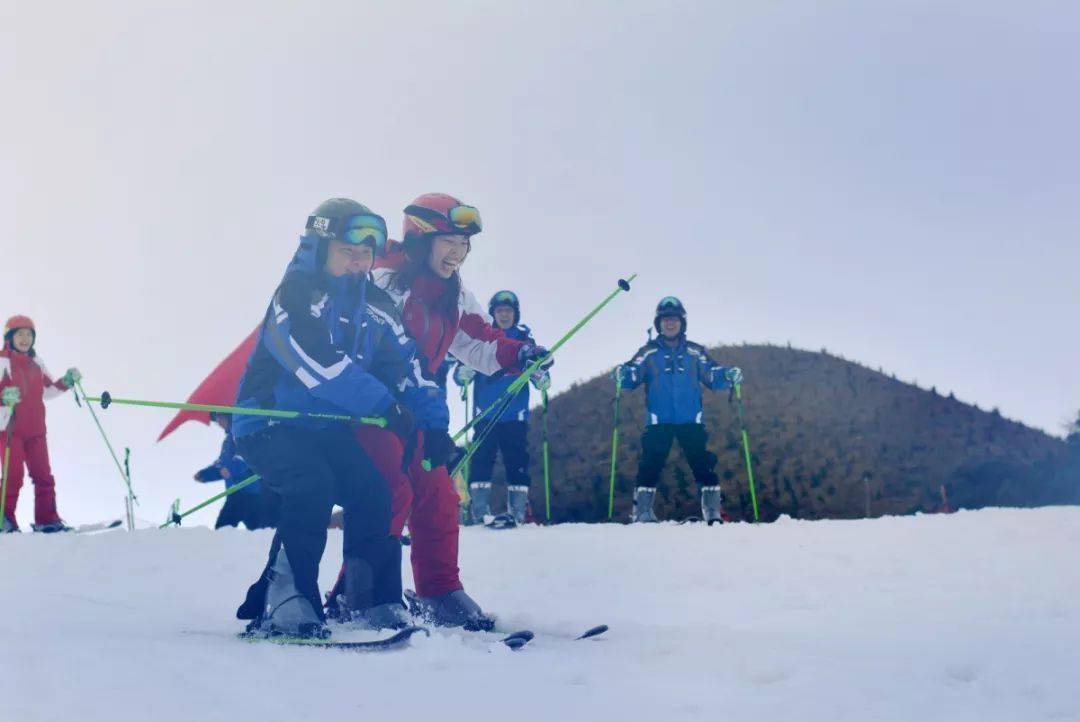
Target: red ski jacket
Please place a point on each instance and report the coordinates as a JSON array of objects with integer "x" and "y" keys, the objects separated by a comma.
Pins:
[{"x": 35, "y": 385}]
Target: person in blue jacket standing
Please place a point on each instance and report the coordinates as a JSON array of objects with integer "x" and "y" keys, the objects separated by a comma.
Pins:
[
  {"x": 253, "y": 505},
  {"x": 315, "y": 330},
  {"x": 673, "y": 371},
  {"x": 508, "y": 430}
]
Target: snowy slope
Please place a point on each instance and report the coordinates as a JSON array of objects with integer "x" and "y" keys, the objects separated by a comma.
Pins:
[{"x": 964, "y": 617}]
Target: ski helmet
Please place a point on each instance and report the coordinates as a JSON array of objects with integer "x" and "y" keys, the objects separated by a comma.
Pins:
[
  {"x": 344, "y": 219},
  {"x": 13, "y": 324},
  {"x": 505, "y": 298},
  {"x": 435, "y": 213},
  {"x": 670, "y": 306}
]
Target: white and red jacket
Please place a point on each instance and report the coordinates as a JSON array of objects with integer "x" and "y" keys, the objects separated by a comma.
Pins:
[
  {"x": 35, "y": 386},
  {"x": 465, "y": 332}
]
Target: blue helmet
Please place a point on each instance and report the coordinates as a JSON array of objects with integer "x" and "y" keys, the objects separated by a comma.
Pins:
[
  {"x": 505, "y": 298},
  {"x": 670, "y": 306}
]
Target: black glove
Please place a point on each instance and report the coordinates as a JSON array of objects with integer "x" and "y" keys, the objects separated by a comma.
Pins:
[
  {"x": 437, "y": 446},
  {"x": 529, "y": 354},
  {"x": 399, "y": 422}
]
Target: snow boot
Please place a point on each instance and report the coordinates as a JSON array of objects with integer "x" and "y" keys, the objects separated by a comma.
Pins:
[
  {"x": 711, "y": 510},
  {"x": 643, "y": 501},
  {"x": 286, "y": 610},
  {"x": 480, "y": 501},
  {"x": 453, "y": 609},
  {"x": 366, "y": 606},
  {"x": 517, "y": 502},
  {"x": 52, "y": 527}
]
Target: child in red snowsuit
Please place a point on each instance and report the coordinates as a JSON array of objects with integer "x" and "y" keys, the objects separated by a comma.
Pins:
[{"x": 24, "y": 386}]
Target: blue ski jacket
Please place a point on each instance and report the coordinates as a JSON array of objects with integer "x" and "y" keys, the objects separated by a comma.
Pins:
[
  {"x": 489, "y": 389},
  {"x": 237, "y": 468},
  {"x": 314, "y": 328},
  {"x": 673, "y": 377}
]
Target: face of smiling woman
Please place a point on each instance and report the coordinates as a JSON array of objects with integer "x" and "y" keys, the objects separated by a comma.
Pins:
[{"x": 448, "y": 253}]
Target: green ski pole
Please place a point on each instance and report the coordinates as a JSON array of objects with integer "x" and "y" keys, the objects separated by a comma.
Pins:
[
  {"x": 107, "y": 400},
  {"x": 614, "y": 448},
  {"x": 519, "y": 383},
  {"x": 746, "y": 449},
  {"x": 547, "y": 475},
  {"x": 108, "y": 444},
  {"x": 175, "y": 517},
  {"x": 7, "y": 462}
]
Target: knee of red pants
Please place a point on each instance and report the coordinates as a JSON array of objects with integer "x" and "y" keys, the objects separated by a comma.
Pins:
[
  {"x": 434, "y": 529},
  {"x": 385, "y": 451},
  {"x": 436, "y": 502}
]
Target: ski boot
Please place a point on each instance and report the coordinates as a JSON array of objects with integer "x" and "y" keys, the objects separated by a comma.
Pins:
[
  {"x": 517, "y": 502},
  {"x": 360, "y": 606},
  {"x": 9, "y": 526},
  {"x": 52, "y": 527},
  {"x": 452, "y": 609},
  {"x": 286, "y": 611},
  {"x": 711, "y": 510},
  {"x": 643, "y": 502},
  {"x": 480, "y": 501}
]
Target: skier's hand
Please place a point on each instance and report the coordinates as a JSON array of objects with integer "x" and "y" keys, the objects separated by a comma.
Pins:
[
  {"x": 733, "y": 376},
  {"x": 72, "y": 377},
  {"x": 437, "y": 447},
  {"x": 399, "y": 422},
  {"x": 530, "y": 353},
  {"x": 618, "y": 374},
  {"x": 11, "y": 396},
  {"x": 463, "y": 375},
  {"x": 541, "y": 380}
]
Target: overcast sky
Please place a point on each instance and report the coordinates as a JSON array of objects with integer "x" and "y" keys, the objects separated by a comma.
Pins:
[{"x": 895, "y": 181}]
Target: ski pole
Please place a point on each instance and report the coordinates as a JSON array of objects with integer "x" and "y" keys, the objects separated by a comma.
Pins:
[
  {"x": 7, "y": 462},
  {"x": 108, "y": 445},
  {"x": 614, "y": 446},
  {"x": 175, "y": 517},
  {"x": 465, "y": 398},
  {"x": 107, "y": 400},
  {"x": 520, "y": 381},
  {"x": 746, "y": 449},
  {"x": 547, "y": 475}
]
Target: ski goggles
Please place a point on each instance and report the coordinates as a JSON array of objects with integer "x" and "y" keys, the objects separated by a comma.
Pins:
[
  {"x": 504, "y": 298},
  {"x": 463, "y": 218},
  {"x": 358, "y": 229},
  {"x": 669, "y": 305}
]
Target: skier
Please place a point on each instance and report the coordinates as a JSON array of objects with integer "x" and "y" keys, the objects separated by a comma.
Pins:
[
  {"x": 314, "y": 327},
  {"x": 671, "y": 369},
  {"x": 25, "y": 384},
  {"x": 507, "y": 431},
  {"x": 253, "y": 505},
  {"x": 441, "y": 316}
]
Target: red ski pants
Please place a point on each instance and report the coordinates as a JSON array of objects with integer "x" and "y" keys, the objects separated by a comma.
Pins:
[
  {"x": 428, "y": 501},
  {"x": 33, "y": 453}
]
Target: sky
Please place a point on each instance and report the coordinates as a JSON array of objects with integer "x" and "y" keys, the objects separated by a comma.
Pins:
[{"x": 897, "y": 182}]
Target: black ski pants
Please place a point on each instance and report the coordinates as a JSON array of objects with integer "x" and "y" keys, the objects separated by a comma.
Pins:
[
  {"x": 656, "y": 445},
  {"x": 510, "y": 437},
  {"x": 311, "y": 470}
]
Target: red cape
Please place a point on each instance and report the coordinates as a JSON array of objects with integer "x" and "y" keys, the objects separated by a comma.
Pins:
[{"x": 219, "y": 387}]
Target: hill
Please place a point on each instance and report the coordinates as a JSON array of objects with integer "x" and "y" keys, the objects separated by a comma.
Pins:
[{"x": 829, "y": 438}]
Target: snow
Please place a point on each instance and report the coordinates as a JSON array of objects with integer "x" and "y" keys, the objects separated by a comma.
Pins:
[{"x": 971, "y": 616}]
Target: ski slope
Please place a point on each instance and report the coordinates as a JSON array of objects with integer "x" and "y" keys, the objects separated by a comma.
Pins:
[{"x": 972, "y": 616}]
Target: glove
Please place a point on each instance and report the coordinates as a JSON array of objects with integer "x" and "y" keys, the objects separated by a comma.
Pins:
[
  {"x": 529, "y": 353},
  {"x": 541, "y": 380},
  {"x": 72, "y": 377},
  {"x": 733, "y": 375},
  {"x": 437, "y": 446},
  {"x": 11, "y": 396},
  {"x": 399, "y": 422},
  {"x": 617, "y": 374},
  {"x": 463, "y": 375}
]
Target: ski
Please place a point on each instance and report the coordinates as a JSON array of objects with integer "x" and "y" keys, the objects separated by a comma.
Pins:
[
  {"x": 98, "y": 526},
  {"x": 395, "y": 641},
  {"x": 514, "y": 639}
]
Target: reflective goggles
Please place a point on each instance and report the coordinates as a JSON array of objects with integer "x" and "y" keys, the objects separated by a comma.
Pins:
[
  {"x": 504, "y": 298},
  {"x": 358, "y": 229},
  {"x": 669, "y": 304},
  {"x": 464, "y": 218}
]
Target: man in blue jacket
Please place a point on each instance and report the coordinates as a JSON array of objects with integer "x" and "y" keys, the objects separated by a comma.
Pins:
[
  {"x": 673, "y": 371},
  {"x": 506, "y": 431},
  {"x": 315, "y": 328}
]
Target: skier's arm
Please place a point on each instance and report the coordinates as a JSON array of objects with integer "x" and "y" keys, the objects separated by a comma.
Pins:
[
  {"x": 300, "y": 342},
  {"x": 6, "y": 382},
  {"x": 633, "y": 371},
  {"x": 711, "y": 374},
  {"x": 480, "y": 345},
  {"x": 52, "y": 388}
]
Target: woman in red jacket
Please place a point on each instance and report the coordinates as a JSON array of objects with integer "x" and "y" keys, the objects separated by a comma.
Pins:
[
  {"x": 442, "y": 317},
  {"x": 24, "y": 386}
]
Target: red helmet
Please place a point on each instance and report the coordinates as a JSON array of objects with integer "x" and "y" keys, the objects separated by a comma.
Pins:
[
  {"x": 15, "y": 323},
  {"x": 435, "y": 213}
]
